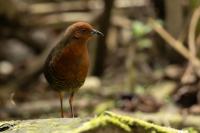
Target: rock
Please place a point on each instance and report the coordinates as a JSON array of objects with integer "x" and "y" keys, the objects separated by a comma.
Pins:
[{"x": 107, "y": 122}]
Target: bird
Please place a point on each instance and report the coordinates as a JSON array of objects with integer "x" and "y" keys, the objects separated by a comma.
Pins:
[{"x": 67, "y": 64}]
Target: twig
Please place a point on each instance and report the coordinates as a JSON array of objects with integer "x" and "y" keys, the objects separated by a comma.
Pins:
[
  {"x": 188, "y": 74},
  {"x": 192, "y": 29},
  {"x": 177, "y": 45}
]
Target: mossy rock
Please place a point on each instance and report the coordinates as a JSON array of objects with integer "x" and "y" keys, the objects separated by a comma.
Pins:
[{"x": 107, "y": 122}]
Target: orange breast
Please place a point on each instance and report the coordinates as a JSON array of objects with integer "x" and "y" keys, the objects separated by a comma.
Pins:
[{"x": 73, "y": 62}]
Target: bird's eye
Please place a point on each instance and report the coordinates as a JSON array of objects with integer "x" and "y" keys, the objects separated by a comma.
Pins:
[{"x": 82, "y": 30}]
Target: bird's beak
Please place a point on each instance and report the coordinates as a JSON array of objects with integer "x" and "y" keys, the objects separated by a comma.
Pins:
[{"x": 96, "y": 32}]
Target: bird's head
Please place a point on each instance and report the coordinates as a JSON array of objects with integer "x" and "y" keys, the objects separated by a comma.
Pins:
[{"x": 82, "y": 31}]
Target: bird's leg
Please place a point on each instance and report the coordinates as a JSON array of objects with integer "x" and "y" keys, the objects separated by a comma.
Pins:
[
  {"x": 71, "y": 105},
  {"x": 61, "y": 95}
]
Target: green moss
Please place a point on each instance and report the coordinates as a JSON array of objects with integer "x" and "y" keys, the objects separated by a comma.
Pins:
[
  {"x": 101, "y": 121},
  {"x": 127, "y": 124}
]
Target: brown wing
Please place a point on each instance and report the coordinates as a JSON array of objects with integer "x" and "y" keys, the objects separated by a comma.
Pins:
[{"x": 48, "y": 69}]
